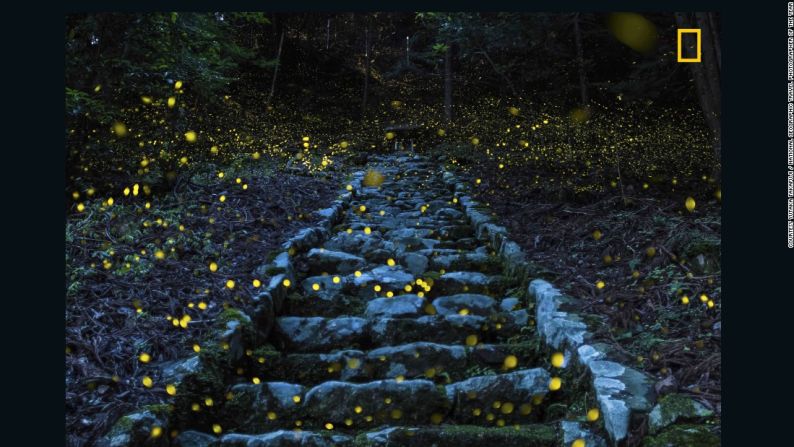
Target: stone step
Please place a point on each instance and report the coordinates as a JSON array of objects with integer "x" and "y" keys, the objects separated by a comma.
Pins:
[
  {"x": 317, "y": 334},
  {"x": 534, "y": 435},
  {"x": 280, "y": 438},
  {"x": 451, "y": 283},
  {"x": 480, "y": 400},
  {"x": 440, "y": 363}
]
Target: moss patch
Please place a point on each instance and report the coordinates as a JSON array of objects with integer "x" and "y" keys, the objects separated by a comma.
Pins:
[{"x": 681, "y": 435}]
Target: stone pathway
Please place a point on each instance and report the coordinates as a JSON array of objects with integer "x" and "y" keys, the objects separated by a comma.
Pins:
[{"x": 398, "y": 327}]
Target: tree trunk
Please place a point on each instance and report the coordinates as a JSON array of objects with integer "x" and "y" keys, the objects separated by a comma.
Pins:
[
  {"x": 580, "y": 60},
  {"x": 407, "y": 50},
  {"x": 275, "y": 70},
  {"x": 366, "y": 74},
  {"x": 328, "y": 33},
  {"x": 448, "y": 84},
  {"x": 707, "y": 78}
]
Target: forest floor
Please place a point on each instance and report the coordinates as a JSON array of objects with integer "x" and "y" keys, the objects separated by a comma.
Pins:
[
  {"x": 652, "y": 256},
  {"x": 123, "y": 299}
]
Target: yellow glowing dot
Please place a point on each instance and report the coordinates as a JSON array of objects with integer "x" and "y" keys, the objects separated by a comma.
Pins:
[
  {"x": 120, "y": 129},
  {"x": 362, "y": 208},
  {"x": 344, "y": 144},
  {"x": 336, "y": 279},
  {"x": 157, "y": 431},
  {"x": 202, "y": 305},
  {"x": 80, "y": 207},
  {"x": 390, "y": 262},
  {"x": 220, "y": 174},
  {"x": 196, "y": 348},
  {"x": 230, "y": 284},
  {"x": 650, "y": 252},
  {"x": 684, "y": 299},
  {"x": 256, "y": 283},
  {"x": 147, "y": 381},
  {"x": 597, "y": 234},
  {"x": 475, "y": 141},
  {"x": 238, "y": 180},
  {"x": 367, "y": 230},
  {"x": 286, "y": 282},
  {"x": 578, "y": 443},
  {"x": 144, "y": 357},
  {"x": 255, "y": 380},
  {"x": 171, "y": 101},
  {"x": 222, "y": 198},
  {"x": 557, "y": 359},
  {"x": 510, "y": 362},
  {"x": 349, "y": 187},
  {"x": 396, "y": 414},
  {"x": 690, "y": 204},
  {"x": 353, "y": 363},
  {"x": 296, "y": 399},
  {"x": 389, "y": 135},
  {"x": 315, "y": 287},
  {"x": 710, "y": 304},
  {"x": 358, "y": 409},
  {"x": 555, "y": 383},
  {"x": 507, "y": 408},
  {"x": 471, "y": 340},
  {"x": 357, "y": 273},
  {"x": 329, "y": 426},
  {"x": 216, "y": 428},
  {"x": 478, "y": 181},
  {"x": 170, "y": 389},
  {"x": 476, "y": 412},
  {"x": 110, "y": 201},
  {"x": 592, "y": 414},
  {"x": 525, "y": 409},
  {"x": 208, "y": 401},
  {"x": 408, "y": 288},
  {"x": 703, "y": 297},
  {"x": 178, "y": 85},
  {"x": 389, "y": 294},
  {"x": 377, "y": 288},
  {"x": 159, "y": 254}
]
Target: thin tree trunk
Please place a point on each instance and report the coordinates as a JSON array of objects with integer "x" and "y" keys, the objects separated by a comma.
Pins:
[
  {"x": 275, "y": 70},
  {"x": 328, "y": 33},
  {"x": 707, "y": 80},
  {"x": 366, "y": 73},
  {"x": 580, "y": 60},
  {"x": 448, "y": 84}
]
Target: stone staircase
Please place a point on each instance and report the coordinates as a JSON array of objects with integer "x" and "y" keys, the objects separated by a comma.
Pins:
[{"x": 400, "y": 324}]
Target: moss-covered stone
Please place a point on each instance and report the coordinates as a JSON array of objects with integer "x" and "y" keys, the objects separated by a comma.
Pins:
[
  {"x": 463, "y": 436},
  {"x": 683, "y": 435},
  {"x": 675, "y": 407}
]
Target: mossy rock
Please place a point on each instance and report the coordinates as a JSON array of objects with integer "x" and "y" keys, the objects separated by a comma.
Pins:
[
  {"x": 683, "y": 435},
  {"x": 464, "y": 436}
]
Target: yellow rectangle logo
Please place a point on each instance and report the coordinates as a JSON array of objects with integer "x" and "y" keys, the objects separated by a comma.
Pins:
[{"x": 682, "y": 31}]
